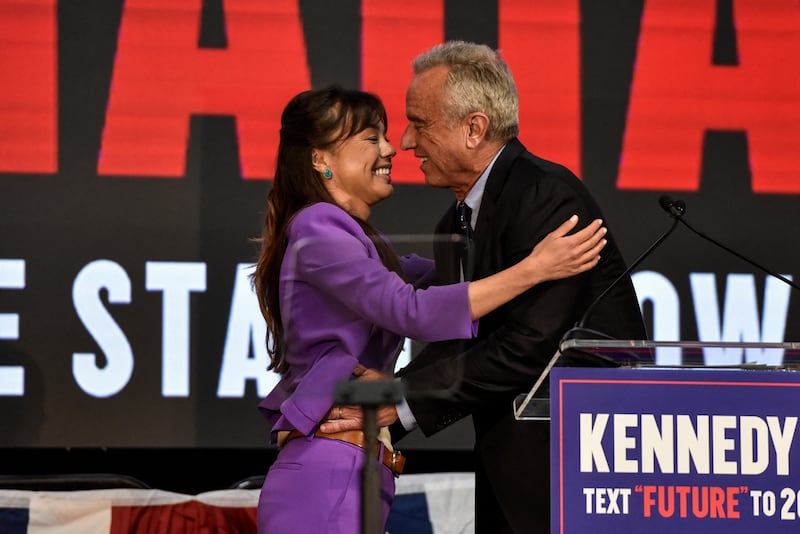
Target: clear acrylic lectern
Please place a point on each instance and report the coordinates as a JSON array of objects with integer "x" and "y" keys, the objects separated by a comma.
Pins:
[{"x": 535, "y": 404}]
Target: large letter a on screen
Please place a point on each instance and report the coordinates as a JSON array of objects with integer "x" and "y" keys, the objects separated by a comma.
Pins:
[{"x": 161, "y": 77}]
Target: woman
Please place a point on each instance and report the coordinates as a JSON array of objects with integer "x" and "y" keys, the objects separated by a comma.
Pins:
[{"x": 337, "y": 299}]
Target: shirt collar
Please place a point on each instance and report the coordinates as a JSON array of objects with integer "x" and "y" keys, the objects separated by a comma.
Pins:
[{"x": 475, "y": 195}]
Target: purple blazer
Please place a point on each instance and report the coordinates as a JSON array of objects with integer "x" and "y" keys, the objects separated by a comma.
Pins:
[{"x": 341, "y": 306}]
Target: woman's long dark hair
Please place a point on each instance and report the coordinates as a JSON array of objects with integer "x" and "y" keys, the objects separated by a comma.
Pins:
[{"x": 314, "y": 119}]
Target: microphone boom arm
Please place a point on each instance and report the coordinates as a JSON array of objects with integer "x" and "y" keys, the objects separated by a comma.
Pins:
[
  {"x": 625, "y": 273},
  {"x": 741, "y": 257}
]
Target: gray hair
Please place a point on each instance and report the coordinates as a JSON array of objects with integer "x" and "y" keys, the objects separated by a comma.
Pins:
[{"x": 478, "y": 80}]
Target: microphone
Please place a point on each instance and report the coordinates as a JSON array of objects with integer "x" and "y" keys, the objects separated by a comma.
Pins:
[{"x": 676, "y": 209}]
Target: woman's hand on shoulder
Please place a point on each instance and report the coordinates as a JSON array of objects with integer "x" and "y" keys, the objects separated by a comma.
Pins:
[{"x": 559, "y": 255}]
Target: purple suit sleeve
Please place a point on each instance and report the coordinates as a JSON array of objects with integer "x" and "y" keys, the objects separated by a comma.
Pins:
[
  {"x": 314, "y": 392},
  {"x": 337, "y": 258},
  {"x": 418, "y": 270}
]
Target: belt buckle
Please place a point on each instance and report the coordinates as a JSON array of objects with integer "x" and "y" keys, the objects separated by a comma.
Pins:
[{"x": 395, "y": 454}]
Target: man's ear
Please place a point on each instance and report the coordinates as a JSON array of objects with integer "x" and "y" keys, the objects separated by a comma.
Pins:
[{"x": 477, "y": 126}]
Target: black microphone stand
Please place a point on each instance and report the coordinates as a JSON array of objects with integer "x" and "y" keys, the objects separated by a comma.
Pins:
[
  {"x": 676, "y": 210},
  {"x": 741, "y": 257},
  {"x": 369, "y": 394},
  {"x": 580, "y": 324}
]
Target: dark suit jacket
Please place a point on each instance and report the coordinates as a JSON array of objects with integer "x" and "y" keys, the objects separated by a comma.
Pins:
[{"x": 525, "y": 198}]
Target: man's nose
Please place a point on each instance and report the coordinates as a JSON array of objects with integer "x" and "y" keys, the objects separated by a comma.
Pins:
[{"x": 407, "y": 141}]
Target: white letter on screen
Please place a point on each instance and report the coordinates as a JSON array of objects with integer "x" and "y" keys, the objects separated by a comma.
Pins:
[
  {"x": 663, "y": 296},
  {"x": 176, "y": 281},
  {"x": 246, "y": 329},
  {"x": 12, "y": 377},
  {"x": 107, "y": 380}
]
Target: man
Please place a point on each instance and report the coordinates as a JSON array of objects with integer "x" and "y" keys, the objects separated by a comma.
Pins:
[{"x": 462, "y": 109}]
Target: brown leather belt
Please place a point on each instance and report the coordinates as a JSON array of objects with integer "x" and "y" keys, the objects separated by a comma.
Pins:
[{"x": 394, "y": 460}]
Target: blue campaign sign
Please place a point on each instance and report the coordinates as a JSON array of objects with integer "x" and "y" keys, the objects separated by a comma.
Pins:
[{"x": 674, "y": 451}]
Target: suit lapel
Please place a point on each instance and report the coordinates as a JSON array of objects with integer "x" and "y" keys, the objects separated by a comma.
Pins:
[
  {"x": 447, "y": 267},
  {"x": 486, "y": 227}
]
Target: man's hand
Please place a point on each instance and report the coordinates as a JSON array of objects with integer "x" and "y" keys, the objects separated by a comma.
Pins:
[{"x": 352, "y": 417}]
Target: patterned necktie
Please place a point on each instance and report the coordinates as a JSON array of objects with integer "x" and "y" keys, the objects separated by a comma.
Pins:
[
  {"x": 464, "y": 213},
  {"x": 464, "y": 228}
]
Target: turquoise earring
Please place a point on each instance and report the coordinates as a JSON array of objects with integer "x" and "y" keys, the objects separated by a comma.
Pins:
[{"x": 327, "y": 174}]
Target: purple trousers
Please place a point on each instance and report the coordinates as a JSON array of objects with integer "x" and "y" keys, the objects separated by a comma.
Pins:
[{"x": 314, "y": 487}]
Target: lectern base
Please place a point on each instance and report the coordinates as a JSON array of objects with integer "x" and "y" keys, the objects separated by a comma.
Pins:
[{"x": 536, "y": 409}]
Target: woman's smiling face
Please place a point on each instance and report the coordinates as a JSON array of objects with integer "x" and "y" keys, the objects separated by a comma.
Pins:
[{"x": 360, "y": 169}]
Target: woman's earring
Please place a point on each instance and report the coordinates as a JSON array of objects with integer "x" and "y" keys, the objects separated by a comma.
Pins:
[{"x": 327, "y": 174}]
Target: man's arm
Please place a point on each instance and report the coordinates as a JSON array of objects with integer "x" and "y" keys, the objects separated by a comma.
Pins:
[
  {"x": 517, "y": 340},
  {"x": 344, "y": 417},
  {"x": 449, "y": 380}
]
